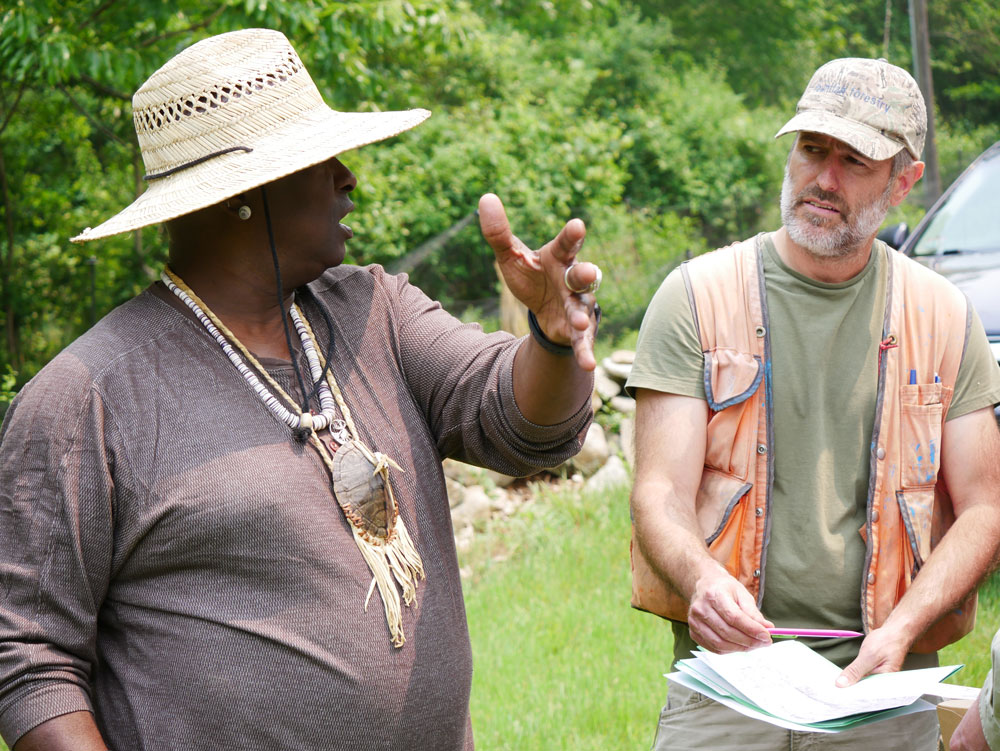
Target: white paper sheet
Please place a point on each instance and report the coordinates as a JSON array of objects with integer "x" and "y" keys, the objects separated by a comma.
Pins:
[
  {"x": 788, "y": 679},
  {"x": 692, "y": 683},
  {"x": 952, "y": 691}
]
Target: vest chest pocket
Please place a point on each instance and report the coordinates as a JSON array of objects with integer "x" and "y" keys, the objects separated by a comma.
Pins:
[
  {"x": 921, "y": 420},
  {"x": 731, "y": 379}
]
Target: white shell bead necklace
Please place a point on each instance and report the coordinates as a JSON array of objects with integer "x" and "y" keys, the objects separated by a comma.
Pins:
[{"x": 304, "y": 420}]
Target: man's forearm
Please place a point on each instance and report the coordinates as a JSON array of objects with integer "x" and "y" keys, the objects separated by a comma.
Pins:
[
  {"x": 722, "y": 615},
  {"x": 670, "y": 456},
  {"x": 966, "y": 554},
  {"x": 75, "y": 731},
  {"x": 548, "y": 388},
  {"x": 668, "y": 534}
]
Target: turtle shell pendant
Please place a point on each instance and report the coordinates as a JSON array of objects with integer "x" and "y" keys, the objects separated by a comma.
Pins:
[{"x": 361, "y": 488}]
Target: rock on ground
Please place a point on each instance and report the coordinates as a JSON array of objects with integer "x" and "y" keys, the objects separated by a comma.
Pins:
[
  {"x": 595, "y": 451},
  {"x": 612, "y": 475},
  {"x": 474, "y": 508}
]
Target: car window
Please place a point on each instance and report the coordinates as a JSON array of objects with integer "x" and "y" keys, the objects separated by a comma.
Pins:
[{"x": 969, "y": 219}]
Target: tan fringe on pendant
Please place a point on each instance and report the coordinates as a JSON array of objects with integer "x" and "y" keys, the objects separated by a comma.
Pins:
[{"x": 393, "y": 558}]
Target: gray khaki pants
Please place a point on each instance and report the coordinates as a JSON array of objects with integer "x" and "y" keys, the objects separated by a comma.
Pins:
[{"x": 692, "y": 721}]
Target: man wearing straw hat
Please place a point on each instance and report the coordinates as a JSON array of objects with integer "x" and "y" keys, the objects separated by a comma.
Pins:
[
  {"x": 815, "y": 439},
  {"x": 224, "y": 518}
]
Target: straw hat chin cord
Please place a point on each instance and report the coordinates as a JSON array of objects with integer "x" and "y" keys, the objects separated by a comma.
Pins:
[
  {"x": 302, "y": 432},
  {"x": 194, "y": 162}
]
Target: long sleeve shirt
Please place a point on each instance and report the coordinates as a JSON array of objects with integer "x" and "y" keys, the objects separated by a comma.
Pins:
[{"x": 174, "y": 561}]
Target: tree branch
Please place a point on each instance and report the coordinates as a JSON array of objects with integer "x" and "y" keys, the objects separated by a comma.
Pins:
[
  {"x": 180, "y": 32},
  {"x": 93, "y": 121},
  {"x": 101, "y": 88},
  {"x": 13, "y": 107},
  {"x": 415, "y": 257},
  {"x": 98, "y": 11}
]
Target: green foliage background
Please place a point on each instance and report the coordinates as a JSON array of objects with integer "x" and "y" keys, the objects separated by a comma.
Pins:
[{"x": 650, "y": 120}]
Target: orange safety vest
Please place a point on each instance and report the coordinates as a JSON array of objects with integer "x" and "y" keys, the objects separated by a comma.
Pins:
[{"x": 927, "y": 322}]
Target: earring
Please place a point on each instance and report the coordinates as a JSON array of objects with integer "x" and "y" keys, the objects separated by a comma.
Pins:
[{"x": 244, "y": 212}]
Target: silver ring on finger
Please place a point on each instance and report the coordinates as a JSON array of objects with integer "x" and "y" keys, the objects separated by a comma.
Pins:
[{"x": 588, "y": 289}]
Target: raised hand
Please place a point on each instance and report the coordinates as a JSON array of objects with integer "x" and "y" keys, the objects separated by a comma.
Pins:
[{"x": 549, "y": 281}]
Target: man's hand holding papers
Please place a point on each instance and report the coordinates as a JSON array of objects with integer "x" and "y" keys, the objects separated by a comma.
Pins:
[
  {"x": 882, "y": 651},
  {"x": 723, "y": 616},
  {"x": 787, "y": 684}
]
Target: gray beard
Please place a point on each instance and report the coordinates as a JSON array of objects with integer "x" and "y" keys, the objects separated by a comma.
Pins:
[{"x": 812, "y": 234}]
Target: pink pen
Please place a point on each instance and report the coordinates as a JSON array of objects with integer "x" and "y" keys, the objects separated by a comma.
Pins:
[{"x": 820, "y": 633}]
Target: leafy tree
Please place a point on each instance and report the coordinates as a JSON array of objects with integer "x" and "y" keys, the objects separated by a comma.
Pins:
[
  {"x": 650, "y": 120},
  {"x": 763, "y": 49},
  {"x": 965, "y": 54},
  {"x": 695, "y": 147}
]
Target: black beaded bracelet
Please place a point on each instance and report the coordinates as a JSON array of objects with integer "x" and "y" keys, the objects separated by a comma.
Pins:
[{"x": 547, "y": 344}]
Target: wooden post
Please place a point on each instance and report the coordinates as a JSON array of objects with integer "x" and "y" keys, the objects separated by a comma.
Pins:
[
  {"x": 920, "y": 42},
  {"x": 513, "y": 313}
]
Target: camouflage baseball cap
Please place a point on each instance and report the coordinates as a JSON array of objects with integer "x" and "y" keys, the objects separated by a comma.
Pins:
[{"x": 875, "y": 107}]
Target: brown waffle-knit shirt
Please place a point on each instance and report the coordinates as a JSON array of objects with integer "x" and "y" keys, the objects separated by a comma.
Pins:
[{"x": 171, "y": 559}]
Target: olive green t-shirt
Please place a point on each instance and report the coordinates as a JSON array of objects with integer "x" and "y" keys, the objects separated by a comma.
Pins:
[{"x": 824, "y": 357}]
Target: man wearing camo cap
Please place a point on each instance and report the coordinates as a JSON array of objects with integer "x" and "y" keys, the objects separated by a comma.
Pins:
[{"x": 815, "y": 438}]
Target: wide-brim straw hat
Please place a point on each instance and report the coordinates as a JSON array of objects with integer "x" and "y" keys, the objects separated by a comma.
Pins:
[{"x": 231, "y": 113}]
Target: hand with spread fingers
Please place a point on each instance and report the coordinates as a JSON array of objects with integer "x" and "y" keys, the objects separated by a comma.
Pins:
[{"x": 557, "y": 290}]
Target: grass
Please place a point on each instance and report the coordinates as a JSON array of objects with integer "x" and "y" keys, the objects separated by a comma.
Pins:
[
  {"x": 974, "y": 650},
  {"x": 561, "y": 660}
]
